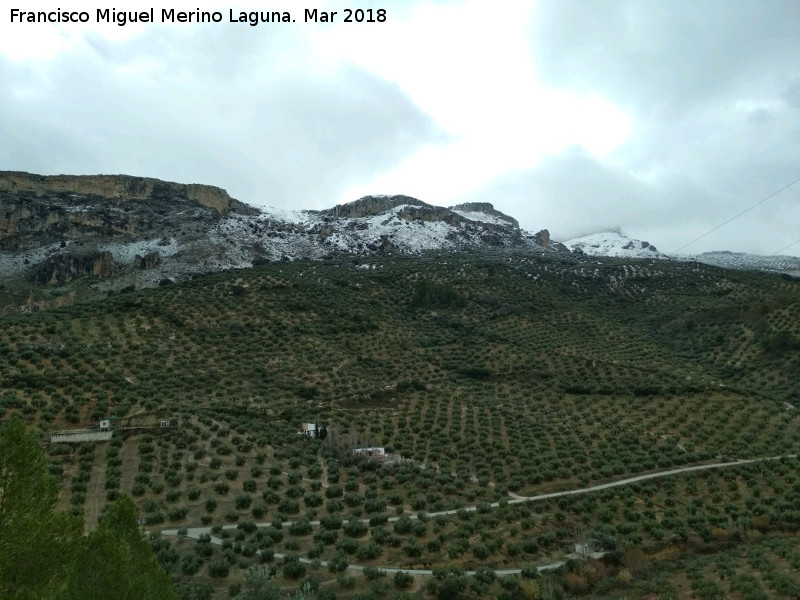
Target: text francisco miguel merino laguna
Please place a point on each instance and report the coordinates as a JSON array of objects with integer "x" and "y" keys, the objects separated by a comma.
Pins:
[{"x": 170, "y": 15}]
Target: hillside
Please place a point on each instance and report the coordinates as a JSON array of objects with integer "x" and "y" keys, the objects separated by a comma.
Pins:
[{"x": 497, "y": 374}]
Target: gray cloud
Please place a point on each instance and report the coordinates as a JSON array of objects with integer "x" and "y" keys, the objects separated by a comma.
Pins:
[
  {"x": 712, "y": 89},
  {"x": 208, "y": 109},
  {"x": 574, "y": 194}
]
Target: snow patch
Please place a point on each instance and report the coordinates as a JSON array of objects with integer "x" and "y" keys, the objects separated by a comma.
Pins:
[{"x": 613, "y": 243}]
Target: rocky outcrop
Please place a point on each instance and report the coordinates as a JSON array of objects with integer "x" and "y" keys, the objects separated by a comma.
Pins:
[
  {"x": 370, "y": 205},
  {"x": 118, "y": 187},
  {"x": 639, "y": 245},
  {"x": 148, "y": 261},
  {"x": 542, "y": 238},
  {"x": 33, "y": 222},
  {"x": 59, "y": 269},
  {"x": 488, "y": 209},
  {"x": 414, "y": 210},
  {"x": 558, "y": 247},
  {"x": 38, "y": 210},
  {"x": 430, "y": 214}
]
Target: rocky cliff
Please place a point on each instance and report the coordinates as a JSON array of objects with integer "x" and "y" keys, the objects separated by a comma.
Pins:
[
  {"x": 36, "y": 210},
  {"x": 462, "y": 217},
  {"x": 370, "y": 205},
  {"x": 117, "y": 187},
  {"x": 487, "y": 209}
]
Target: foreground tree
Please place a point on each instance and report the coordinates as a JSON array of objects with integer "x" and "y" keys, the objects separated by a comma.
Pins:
[
  {"x": 43, "y": 553},
  {"x": 117, "y": 561},
  {"x": 35, "y": 541}
]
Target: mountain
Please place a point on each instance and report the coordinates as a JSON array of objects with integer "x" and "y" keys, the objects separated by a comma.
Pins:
[
  {"x": 122, "y": 230},
  {"x": 613, "y": 243},
  {"x": 616, "y": 244},
  {"x": 143, "y": 231},
  {"x": 789, "y": 265}
]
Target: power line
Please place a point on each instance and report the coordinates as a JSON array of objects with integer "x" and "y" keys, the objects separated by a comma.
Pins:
[
  {"x": 785, "y": 248},
  {"x": 786, "y": 187}
]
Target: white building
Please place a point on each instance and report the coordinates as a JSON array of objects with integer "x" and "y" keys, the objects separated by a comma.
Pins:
[
  {"x": 372, "y": 452},
  {"x": 309, "y": 429}
]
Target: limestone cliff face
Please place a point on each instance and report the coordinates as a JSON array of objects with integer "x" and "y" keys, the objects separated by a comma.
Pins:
[
  {"x": 116, "y": 187},
  {"x": 37, "y": 210},
  {"x": 488, "y": 209},
  {"x": 59, "y": 269},
  {"x": 370, "y": 205},
  {"x": 148, "y": 261}
]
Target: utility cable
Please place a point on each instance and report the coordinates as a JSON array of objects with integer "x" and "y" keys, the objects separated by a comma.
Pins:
[
  {"x": 773, "y": 194},
  {"x": 785, "y": 248}
]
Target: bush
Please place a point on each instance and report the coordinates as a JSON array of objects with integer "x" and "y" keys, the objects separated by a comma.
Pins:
[
  {"x": 259, "y": 510},
  {"x": 403, "y": 580},
  {"x": 293, "y": 568},
  {"x": 373, "y": 573},
  {"x": 190, "y": 563},
  {"x": 338, "y": 562},
  {"x": 218, "y": 568}
]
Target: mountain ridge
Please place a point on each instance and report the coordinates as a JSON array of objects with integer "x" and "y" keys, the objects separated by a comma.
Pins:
[{"x": 143, "y": 231}]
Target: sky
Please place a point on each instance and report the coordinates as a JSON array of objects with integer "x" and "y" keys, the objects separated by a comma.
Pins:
[{"x": 663, "y": 119}]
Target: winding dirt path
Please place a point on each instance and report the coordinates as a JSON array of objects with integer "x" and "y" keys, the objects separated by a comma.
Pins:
[{"x": 196, "y": 532}]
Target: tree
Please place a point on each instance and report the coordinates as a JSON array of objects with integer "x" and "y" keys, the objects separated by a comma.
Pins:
[
  {"x": 259, "y": 584},
  {"x": 34, "y": 539},
  {"x": 117, "y": 559}
]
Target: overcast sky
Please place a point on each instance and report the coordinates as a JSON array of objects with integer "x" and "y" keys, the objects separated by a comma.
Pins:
[{"x": 661, "y": 118}]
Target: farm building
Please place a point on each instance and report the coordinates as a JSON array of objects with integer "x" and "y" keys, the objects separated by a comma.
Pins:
[
  {"x": 76, "y": 436},
  {"x": 108, "y": 423},
  {"x": 371, "y": 452},
  {"x": 309, "y": 429},
  {"x": 143, "y": 420},
  {"x": 314, "y": 430}
]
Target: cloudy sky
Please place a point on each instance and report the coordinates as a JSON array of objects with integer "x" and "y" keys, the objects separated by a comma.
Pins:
[{"x": 661, "y": 118}]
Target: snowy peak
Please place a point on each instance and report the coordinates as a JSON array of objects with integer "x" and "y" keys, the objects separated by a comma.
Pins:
[
  {"x": 484, "y": 212},
  {"x": 613, "y": 243},
  {"x": 412, "y": 209}
]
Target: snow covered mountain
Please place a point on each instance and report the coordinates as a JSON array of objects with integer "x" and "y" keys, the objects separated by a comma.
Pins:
[
  {"x": 53, "y": 229},
  {"x": 616, "y": 244},
  {"x": 739, "y": 260},
  {"x": 613, "y": 243},
  {"x": 133, "y": 230}
]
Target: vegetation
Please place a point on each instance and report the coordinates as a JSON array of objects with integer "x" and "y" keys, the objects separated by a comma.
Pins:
[
  {"x": 42, "y": 551},
  {"x": 488, "y": 378}
]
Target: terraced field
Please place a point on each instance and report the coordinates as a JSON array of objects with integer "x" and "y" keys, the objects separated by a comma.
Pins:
[{"x": 490, "y": 376}]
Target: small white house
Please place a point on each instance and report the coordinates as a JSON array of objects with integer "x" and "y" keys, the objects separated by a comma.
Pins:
[
  {"x": 372, "y": 452},
  {"x": 309, "y": 429},
  {"x": 164, "y": 423},
  {"x": 105, "y": 424}
]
